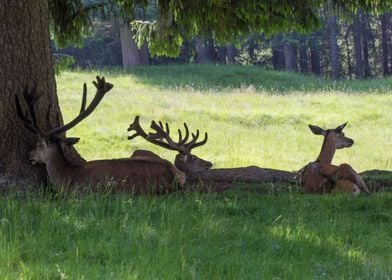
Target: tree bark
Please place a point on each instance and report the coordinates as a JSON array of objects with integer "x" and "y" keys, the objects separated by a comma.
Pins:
[
  {"x": 303, "y": 55},
  {"x": 230, "y": 48},
  {"x": 132, "y": 55},
  {"x": 201, "y": 51},
  {"x": 25, "y": 60},
  {"x": 349, "y": 66},
  {"x": 366, "y": 35},
  {"x": 289, "y": 50},
  {"x": 385, "y": 43},
  {"x": 314, "y": 45},
  {"x": 333, "y": 45},
  {"x": 277, "y": 52},
  {"x": 357, "y": 31},
  {"x": 250, "y": 174}
]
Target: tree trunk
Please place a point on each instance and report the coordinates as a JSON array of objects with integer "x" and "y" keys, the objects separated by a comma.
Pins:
[
  {"x": 333, "y": 43},
  {"x": 210, "y": 49},
  {"x": 132, "y": 55},
  {"x": 289, "y": 50},
  {"x": 277, "y": 52},
  {"x": 222, "y": 54},
  {"x": 303, "y": 55},
  {"x": 25, "y": 60},
  {"x": 185, "y": 52},
  {"x": 201, "y": 52},
  {"x": 314, "y": 45},
  {"x": 251, "y": 50},
  {"x": 385, "y": 43},
  {"x": 357, "y": 30},
  {"x": 349, "y": 66},
  {"x": 230, "y": 53},
  {"x": 366, "y": 35}
]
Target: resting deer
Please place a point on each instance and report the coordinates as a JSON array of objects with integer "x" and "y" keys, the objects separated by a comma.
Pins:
[
  {"x": 185, "y": 160},
  {"x": 136, "y": 175},
  {"x": 199, "y": 170},
  {"x": 321, "y": 176}
]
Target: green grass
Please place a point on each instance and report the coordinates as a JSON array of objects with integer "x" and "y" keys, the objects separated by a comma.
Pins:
[
  {"x": 249, "y": 121},
  {"x": 254, "y": 117},
  {"x": 194, "y": 236}
]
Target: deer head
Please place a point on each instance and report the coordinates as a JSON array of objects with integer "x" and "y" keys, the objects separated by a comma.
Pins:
[
  {"x": 185, "y": 160},
  {"x": 49, "y": 141},
  {"x": 333, "y": 139}
]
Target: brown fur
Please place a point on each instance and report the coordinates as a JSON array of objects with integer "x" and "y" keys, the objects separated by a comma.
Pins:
[
  {"x": 137, "y": 175},
  {"x": 323, "y": 177}
]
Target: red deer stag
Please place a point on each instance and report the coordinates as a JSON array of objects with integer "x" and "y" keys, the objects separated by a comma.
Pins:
[
  {"x": 199, "y": 170},
  {"x": 321, "y": 176},
  {"x": 185, "y": 160},
  {"x": 137, "y": 175}
]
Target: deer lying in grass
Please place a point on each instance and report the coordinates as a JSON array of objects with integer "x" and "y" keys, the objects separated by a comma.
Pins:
[
  {"x": 321, "y": 176},
  {"x": 185, "y": 160},
  {"x": 199, "y": 170},
  {"x": 136, "y": 175}
]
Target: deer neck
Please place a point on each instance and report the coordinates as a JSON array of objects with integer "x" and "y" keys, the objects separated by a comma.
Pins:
[
  {"x": 58, "y": 168},
  {"x": 327, "y": 150}
]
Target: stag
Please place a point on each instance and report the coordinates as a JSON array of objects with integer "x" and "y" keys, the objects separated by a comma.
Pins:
[
  {"x": 185, "y": 160},
  {"x": 321, "y": 176},
  {"x": 137, "y": 175},
  {"x": 197, "y": 169}
]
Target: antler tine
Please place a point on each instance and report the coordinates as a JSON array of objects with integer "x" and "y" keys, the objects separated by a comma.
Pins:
[
  {"x": 30, "y": 97},
  {"x": 102, "y": 88},
  {"x": 84, "y": 98},
  {"x": 180, "y": 140},
  {"x": 137, "y": 128},
  {"x": 26, "y": 121},
  {"x": 163, "y": 132},
  {"x": 193, "y": 143}
]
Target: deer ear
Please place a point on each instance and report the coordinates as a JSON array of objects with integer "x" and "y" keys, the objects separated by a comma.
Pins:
[
  {"x": 340, "y": 128},
  {"x": 316, "y": 130},
  {"x": 71, "y": 140}
]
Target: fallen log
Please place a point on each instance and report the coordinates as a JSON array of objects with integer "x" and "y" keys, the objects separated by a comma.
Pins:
[
  {"x": 226, "y": 178},
  {"x": 221, "y": 179},
  {"x": 378, "y": 180},
  {"x": 250, "y": 174}
]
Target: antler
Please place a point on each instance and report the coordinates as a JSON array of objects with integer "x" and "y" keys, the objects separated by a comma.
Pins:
[
  {"x": 30, "y": 97},
  {"x": 140, "y": 132},
  {"x": 102, "y": 88},
  {"x": 161, "y": 136}
]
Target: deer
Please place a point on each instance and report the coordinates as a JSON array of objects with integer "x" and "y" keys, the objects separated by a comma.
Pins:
[
  {"x": 185, "y": 161},
  {"x": 321, "y": 176},
  {"x": 198, "y": 170},
  {"x": 137, "y": 175}
]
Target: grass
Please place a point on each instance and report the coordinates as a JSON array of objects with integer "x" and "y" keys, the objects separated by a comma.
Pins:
[
  {"x": 196, "y": 236},
  {"x": 254, "y": 117},
  {"x": 249, "y": 121}
]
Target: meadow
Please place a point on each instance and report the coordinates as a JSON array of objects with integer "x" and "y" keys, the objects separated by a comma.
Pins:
[{"x": 253, "y": 117}]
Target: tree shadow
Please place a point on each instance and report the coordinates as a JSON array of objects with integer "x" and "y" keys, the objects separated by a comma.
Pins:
[{"x": 247, "y": 79}]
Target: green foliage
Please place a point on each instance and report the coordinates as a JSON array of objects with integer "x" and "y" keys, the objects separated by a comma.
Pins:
[
  {"x": 176, "y": 20},
  {"x": 62, "y": 62}
]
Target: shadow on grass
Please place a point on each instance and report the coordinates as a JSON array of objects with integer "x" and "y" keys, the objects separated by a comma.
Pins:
[{"x": 246, "y": 78}]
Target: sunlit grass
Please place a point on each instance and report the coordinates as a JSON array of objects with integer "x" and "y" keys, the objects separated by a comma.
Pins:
[
  {"x": 247, "y": 124},
  {"x": 253, "y": 117}
]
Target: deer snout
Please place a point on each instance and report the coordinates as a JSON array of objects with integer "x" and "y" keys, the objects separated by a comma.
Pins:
[
  {"x": 208, "y": 165},
  {"x": 31, "y": 157},
  {"x": 350, "y": 142}
]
